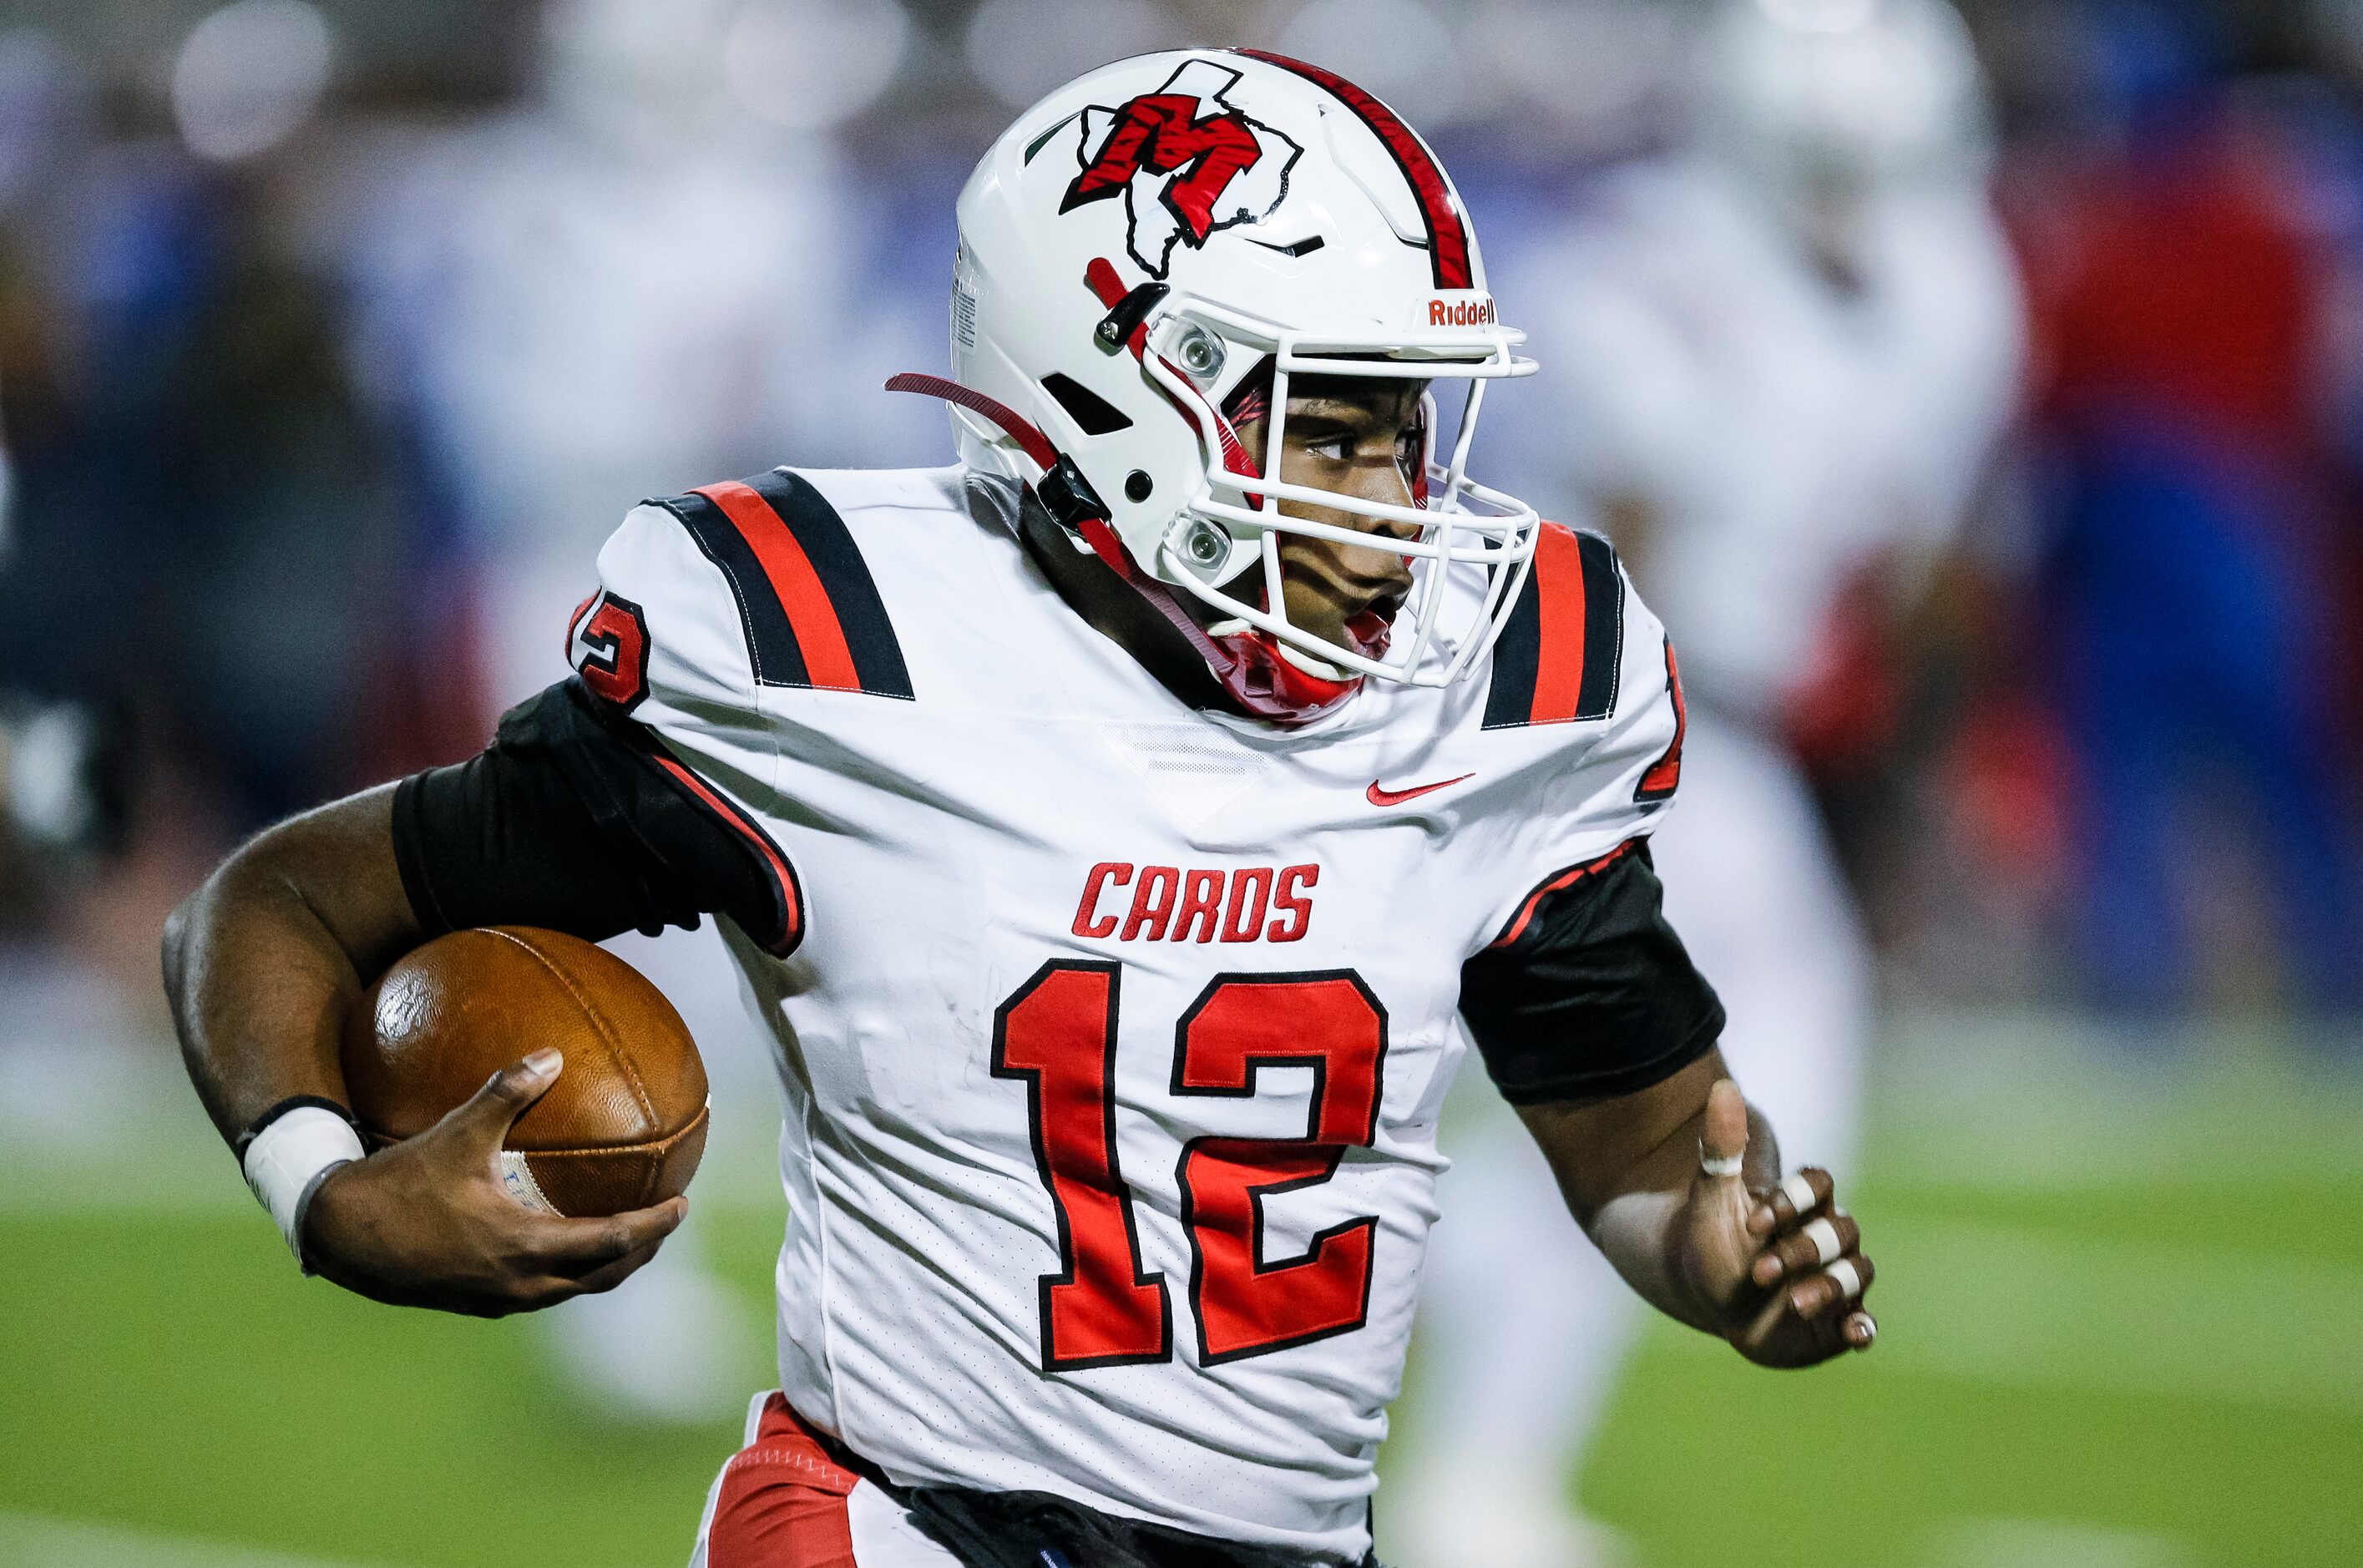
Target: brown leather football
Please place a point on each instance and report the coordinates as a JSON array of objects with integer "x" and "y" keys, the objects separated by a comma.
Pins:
[{"x": 625, "y": 1123}]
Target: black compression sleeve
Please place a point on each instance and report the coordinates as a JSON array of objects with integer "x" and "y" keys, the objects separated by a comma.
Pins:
[
  {"x": 1592, "y": 995},
  {"x": 568, "y": 821}
]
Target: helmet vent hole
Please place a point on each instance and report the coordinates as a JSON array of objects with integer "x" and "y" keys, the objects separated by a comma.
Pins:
[
  {"x": 1095, "y": 415},
  {"x": 1138, "y": 485},
  {"x": 1305, "y": 247}
]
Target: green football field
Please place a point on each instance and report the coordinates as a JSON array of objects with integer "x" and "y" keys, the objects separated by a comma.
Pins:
[{"x": 2121, "y": 1293}]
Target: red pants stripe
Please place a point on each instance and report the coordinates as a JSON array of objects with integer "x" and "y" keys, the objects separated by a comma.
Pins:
[{"x": 781, "y": 1500}]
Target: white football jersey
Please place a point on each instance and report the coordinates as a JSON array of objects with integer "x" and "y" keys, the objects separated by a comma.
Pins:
[{"x": 1113, "y": 1033}]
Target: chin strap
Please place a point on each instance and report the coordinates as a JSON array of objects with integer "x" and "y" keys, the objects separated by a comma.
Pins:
[
  {"x": 1274, "y": 686},
  {"x": 1249, "y": 664}
]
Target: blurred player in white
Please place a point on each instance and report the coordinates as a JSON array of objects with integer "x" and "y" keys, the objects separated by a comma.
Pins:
[
  {"x": 633, "y": 282},
  {"x": 1778, "y": 357}
]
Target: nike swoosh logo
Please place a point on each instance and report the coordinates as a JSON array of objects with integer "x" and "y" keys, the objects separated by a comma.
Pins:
[{"x": 1397, "y": 796}]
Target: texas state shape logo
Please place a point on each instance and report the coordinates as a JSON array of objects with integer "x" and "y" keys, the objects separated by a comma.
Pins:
[{"x": 1185, "y": 162}]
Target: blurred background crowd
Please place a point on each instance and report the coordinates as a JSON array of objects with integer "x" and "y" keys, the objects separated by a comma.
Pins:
[
  {"x": 333, "y": 334},
  {"x": 1976, "y": 392}
]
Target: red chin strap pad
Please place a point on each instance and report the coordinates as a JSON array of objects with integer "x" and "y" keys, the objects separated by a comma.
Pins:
[
  {"x": 1272, "y": 689},
  {"x": 1248, "y": 666}
]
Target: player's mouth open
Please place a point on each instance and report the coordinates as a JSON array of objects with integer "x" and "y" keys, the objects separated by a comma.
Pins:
[{"x": 1367, "y": 629}]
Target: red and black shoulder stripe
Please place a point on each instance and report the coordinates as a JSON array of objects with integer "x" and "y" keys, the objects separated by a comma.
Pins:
[
  {"x": 1558, "y": 658},
  {"x": 811, "y": 610}
]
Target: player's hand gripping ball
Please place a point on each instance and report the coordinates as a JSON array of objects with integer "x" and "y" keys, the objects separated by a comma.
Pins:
[
  {"x": 620, "y": 1129},
  {"x": 523, "y": 1091}
]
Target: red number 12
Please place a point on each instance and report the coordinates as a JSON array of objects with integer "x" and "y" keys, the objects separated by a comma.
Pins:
[{"x": 1102, "y": 1308}]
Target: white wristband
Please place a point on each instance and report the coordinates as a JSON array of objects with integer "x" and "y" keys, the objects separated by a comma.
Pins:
[{"x": 287, "y": 1159}]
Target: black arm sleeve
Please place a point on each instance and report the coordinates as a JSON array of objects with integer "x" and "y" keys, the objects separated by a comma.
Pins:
[
  {"x": 569, "y": 822},
  {"x": 1590, "y": 994}
]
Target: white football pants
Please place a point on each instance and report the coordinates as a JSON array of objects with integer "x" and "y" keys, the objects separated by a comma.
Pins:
[{"x": 1523, "y": 1326}]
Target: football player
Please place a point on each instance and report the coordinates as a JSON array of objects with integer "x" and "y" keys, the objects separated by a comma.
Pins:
[
  {"x": 1122, "y": 833},
  {"x": 1781, "y": 357}
]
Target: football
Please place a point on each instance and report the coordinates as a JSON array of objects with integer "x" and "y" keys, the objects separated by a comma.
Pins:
[{"x": 624, "y": 1125}]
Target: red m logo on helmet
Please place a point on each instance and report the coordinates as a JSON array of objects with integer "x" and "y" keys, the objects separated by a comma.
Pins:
[
  {"x": 1157, "y": 133},
  {"x": 1217, "y": 167}
]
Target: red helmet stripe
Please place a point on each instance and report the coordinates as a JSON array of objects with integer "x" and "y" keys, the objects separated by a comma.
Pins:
[{"x": 1448, "y": 237}]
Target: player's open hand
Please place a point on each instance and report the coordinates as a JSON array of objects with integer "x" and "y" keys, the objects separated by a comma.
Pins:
[
  {"x": 427, "y": 1223},
  {"x": 1780, "y": 1268}
]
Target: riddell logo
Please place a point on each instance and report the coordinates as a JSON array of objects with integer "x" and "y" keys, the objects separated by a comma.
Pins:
[{"x": 1476, "y": 312}]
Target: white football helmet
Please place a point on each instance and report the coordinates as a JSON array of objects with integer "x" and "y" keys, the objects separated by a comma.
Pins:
[{"x": 1157, "y": 237}]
